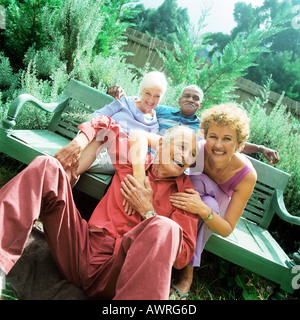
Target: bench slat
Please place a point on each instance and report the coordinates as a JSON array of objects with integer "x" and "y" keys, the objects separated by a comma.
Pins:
[{"x": 87, "y": 95}]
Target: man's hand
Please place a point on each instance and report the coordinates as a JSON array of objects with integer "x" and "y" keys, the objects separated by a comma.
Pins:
[
  {"x": 139, "y": 197},
  {"x": 271, "y": 155},
  {"x": 116, "y": 91}
]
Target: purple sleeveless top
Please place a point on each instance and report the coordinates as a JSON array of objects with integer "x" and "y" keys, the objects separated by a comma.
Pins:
[
  {"x": 217, "y": 197},
  {"x": 229, "y": 186}
]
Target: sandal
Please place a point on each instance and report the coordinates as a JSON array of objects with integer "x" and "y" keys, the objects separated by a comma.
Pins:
[{"x": 178, "y": 293}]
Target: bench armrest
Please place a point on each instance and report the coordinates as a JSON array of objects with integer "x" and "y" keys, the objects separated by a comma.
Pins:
[
  {"x": 17, "y": 104},
  {"x": 279, "y": 207}
]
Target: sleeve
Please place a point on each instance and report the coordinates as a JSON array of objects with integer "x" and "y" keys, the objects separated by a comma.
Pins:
[
  {"x": 108, "y": 110},
  {"x": 188, "y": 223},
  {"x": 114, "y": 139}
]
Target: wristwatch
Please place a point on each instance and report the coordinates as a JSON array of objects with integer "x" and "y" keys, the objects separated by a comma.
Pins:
[{"x": 149, "y": 214}]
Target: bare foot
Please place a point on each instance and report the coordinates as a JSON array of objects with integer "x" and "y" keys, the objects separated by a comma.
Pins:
[
  {"x": 181, "y": 287},
  {"x": 179, "y": 291}
]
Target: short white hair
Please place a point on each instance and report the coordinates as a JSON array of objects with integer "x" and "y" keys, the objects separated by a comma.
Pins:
[
  {"x": 176, "y": 131},
  {"x": 195, "y": 88},
  {"x": 154, "y": 79}
]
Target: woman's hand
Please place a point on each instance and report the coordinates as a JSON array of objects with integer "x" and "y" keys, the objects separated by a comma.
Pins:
[{"x": 189, "y": 201}]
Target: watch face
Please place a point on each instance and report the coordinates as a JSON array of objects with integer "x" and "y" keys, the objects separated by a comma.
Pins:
[{"x": 149, "y": 214}]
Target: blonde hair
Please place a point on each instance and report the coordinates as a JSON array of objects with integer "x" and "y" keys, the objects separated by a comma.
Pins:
[
  {"x": 154, "y": 79},
  {"x": 228, "y": 114}
]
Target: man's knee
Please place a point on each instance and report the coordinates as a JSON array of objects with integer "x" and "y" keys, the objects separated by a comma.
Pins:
[
  {"x": 46, "y": 161},
  {"x": 166, "y": 225},
  {"x": 158, "y": 229},
  {"x": 165, "y": 231}
]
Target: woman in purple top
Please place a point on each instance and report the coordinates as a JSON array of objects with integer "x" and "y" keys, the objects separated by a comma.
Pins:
[
  {"x": 223, "y": 180},
  {"x": 133, "y": 114},
  {"x": 232, "y": 179}
]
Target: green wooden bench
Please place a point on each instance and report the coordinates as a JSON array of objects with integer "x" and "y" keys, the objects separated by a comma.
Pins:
[
  {"x": 25, "y": 145},
  {"x": 250, "y": 245}
]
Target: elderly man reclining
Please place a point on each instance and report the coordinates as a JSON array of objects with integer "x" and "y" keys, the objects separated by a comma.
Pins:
[{"x": 113, "y": 255}]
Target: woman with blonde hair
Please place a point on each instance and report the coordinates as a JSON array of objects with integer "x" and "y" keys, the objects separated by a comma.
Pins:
[{"x": 222, "y": 177}]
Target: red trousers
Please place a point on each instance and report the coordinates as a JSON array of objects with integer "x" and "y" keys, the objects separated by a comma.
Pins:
[{"x": 141, "y": 269}]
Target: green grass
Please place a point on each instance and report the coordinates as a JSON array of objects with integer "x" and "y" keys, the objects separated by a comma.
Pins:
[
  {"x": 218, "y": 279},
  {"x": 9, "y": 293}
]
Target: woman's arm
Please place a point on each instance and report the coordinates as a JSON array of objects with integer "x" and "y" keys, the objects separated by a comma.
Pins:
[
  {"x": 108, "y": 110},
  {"x": 192, "y": 202},
  {"x": 140, "y": 141}
]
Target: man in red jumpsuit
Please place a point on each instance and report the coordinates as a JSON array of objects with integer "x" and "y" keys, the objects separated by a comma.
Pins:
[{"x": 113, "y": 255}]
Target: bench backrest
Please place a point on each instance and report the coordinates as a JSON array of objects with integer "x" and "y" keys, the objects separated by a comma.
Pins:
[
  {"x": 258, "y": 208},
  {"x": 83, "y": 100}
]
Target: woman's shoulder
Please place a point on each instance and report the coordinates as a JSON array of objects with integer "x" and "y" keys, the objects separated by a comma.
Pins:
[{"x": 243, "y": 163}]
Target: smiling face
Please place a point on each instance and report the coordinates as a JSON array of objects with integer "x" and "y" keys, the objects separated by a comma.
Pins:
[
  {"x": 175, "y": 153},
  {"x": 150, "y": 98},
  {"x": 190, "y": 102},
  {"x": 221, "y": 143}
]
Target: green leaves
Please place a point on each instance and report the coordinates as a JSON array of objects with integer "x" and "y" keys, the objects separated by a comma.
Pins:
[{"x": 217, "y": 78}]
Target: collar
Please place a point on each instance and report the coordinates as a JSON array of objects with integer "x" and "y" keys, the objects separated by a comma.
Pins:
[
  {"x": 178, "y": 113},
  {"x": 150, "y": 171}
]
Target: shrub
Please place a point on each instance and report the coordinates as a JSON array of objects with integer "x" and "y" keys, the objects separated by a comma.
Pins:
[{"x": 277, "y": 131}]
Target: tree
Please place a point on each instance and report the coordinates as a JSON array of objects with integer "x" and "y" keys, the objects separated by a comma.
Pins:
[
  {"x": 282, "y": 59},
  {"x": 23, "y": 27},
  {"x": 217, "y": 79},
  {"x": 117, "y": 16},
  {"x": 164, "y": 22}
]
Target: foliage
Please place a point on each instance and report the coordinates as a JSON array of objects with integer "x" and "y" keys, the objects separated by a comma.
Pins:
[
  {"x": 181, "y": 63},
  {"x": 9, "y": 80},
  {"x": 73, "y": 29},
  {"x": 282, "y": 59},
  {"x": 70, "y": 39},
  {"x": 62, "y": 32},
  {"x": 23, "y": 27},
  {"x": 218, "y": 279},
  {"x": 116, "y": 16},
  {"x": 9, "y": 293},
  {"x": 217, "y": 79},
  {"x": 278, "y": 130},
  {"x": 164, "y": 22}
]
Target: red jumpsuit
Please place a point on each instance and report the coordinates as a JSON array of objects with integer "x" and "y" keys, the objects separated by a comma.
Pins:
[{"x": 130, "y": 259}]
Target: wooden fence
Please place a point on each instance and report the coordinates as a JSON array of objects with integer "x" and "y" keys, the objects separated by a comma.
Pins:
[{"x": 143, "y": 48}]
